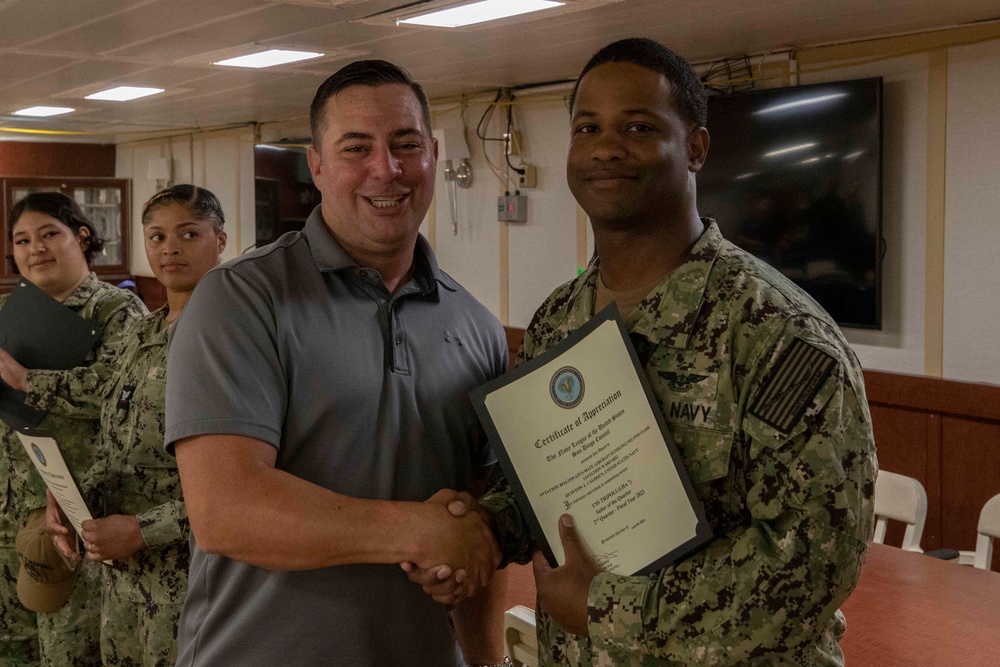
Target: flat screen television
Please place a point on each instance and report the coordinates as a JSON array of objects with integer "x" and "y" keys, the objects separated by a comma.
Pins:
[{"x": 794, "y": 176}]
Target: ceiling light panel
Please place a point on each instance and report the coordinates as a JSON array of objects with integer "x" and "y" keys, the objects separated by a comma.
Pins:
[
  {"x": 476, "y": 14},
  {"x": 269, "y": 58},
  {"x": 124, "y": 93},
  {"x": 43, "y": 112},
  {"x": 197, "y": 58},
  {"x": 480, "y": 12}
]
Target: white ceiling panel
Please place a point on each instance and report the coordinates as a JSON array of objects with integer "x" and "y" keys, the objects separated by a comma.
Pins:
[
  {"x": 19, "y": 67},
  {"x": 25, "y": 21},
  {"x": 119, "y": 34},
  {"x": 169, "y": 49},
  {"x": 351, "y": 35},
  {"x": 85, "y": 73},
  {"x": 170, "y": 76},
  {"x": 278, "y": 24},
  {"x": 53, "y": 51}
]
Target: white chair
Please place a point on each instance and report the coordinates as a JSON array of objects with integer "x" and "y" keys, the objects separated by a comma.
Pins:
[
  {"x": 989, "y": 528},
  {"x": 519, "y": 638},
  {"x": 900, "y": 498}
]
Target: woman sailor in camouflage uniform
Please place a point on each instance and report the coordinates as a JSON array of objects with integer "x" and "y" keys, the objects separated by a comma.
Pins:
[
  {"x": 145, "y": 528},
  {"x": 52, "y": 245}
]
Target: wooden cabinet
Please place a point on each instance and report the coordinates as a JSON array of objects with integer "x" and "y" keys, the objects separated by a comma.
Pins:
[{"x": 105, "y": 201}]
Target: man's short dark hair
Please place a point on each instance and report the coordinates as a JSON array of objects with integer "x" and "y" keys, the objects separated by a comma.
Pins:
[
  {"x": 371, "y": 73},
  {"x": 202, "y": 204},
  {"x": 62, "y": 208},
  {"x": 689, "y": 94}
]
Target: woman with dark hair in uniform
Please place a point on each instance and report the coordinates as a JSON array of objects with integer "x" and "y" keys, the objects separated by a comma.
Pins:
[
  {"x": 52, "y": 244},
  {"x": 144, "y": 529}
]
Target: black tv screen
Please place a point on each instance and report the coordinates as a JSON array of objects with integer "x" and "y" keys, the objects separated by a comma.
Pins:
[{"x": 793, "y": 176}]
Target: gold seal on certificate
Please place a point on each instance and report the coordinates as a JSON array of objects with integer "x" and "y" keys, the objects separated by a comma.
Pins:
[{"x": 577, "y": 430}]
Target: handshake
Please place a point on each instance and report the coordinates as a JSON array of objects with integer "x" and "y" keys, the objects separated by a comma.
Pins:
[{"x": 459, "y": 552}]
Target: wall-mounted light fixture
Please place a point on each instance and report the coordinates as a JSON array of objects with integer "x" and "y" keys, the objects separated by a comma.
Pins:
[
  {"x": 461, "y": 175},
  {"x": 452, "y": 148}
]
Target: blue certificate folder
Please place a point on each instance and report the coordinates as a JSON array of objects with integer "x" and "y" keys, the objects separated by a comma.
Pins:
[{"x": 40, "y": 333}]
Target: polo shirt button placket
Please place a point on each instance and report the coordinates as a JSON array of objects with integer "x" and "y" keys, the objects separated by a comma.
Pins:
[{"x": 398, "y": 338}]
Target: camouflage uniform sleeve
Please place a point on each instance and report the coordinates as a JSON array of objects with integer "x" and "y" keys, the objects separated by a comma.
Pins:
[
  {"x": 511, "y": 530},
  {"x": 91, "y": 481},
  {"x": 775, "y": 581},
  {"x": 76, "y": 393},
  {"x": 164, "y": 523}
]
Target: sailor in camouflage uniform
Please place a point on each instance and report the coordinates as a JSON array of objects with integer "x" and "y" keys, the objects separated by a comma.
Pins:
[
  {"x": 144, "y": 591},
  {"x": 145, "y": 528},
  {"x": 69, "y": 636},
  {"x": 757, "y": 386}
]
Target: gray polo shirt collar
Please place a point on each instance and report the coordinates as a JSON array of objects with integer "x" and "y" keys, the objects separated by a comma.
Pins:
[{"x": 330, "y": 256}]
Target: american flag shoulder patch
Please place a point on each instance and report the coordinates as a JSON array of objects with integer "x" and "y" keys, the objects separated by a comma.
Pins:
[{"x": 798, "y": 375}]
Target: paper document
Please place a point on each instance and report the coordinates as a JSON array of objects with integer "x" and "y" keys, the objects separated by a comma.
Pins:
[
  {"x": 577, "y": 430},
  {"x": 44, "y": 452}
]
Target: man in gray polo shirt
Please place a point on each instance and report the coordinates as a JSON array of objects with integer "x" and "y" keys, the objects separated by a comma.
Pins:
[{"x": 316, "y": 395}]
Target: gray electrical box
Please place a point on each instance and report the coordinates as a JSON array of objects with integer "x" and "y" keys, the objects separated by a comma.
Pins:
[{"x": 512, "y": 208}]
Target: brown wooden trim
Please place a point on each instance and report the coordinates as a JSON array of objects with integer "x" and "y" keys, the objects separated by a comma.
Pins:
[
  {"x": 916, "y": 392},
  {"x": 29, "y": 158},
  {"x": 67, "y": 185}
]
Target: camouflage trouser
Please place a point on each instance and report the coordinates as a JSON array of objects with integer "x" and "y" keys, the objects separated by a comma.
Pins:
[
  {"x": 133, "y": 633},
  {"x": 18, "y": 628},
  {"x": 70, "y": 637}
]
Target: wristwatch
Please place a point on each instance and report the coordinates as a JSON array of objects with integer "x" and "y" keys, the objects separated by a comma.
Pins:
[{"x": 506, "y": 662}]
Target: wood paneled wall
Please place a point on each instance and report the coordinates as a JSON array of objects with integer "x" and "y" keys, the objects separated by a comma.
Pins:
[
  {"x": 26, "y": 158},
  {"x": 944, "y": 433},
  {"x": 947, "y": 435}
]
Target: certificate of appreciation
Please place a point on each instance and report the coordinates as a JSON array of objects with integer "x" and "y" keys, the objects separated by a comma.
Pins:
[
  {"x": 44, "y": 453},
  {"x": 577, "y": 430}
]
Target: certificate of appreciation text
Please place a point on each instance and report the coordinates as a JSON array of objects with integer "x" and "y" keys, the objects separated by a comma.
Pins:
[{"x": 577, "y": 430}]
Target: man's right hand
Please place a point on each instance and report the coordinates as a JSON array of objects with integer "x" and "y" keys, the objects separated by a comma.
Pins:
[
  {"x": 62, "y": 531},
  {"x": 443, "y": 583}
]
